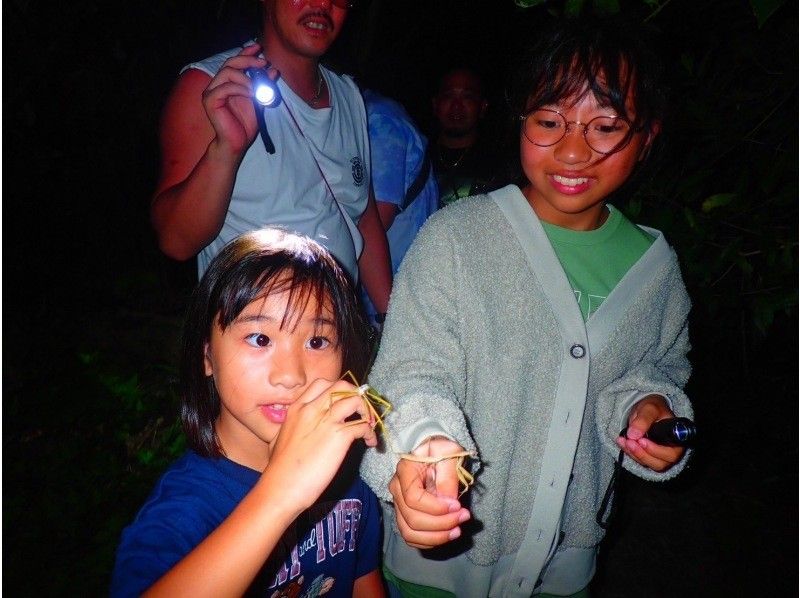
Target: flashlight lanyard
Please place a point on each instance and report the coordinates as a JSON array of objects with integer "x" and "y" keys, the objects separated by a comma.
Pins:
[
  {"x": 262, "y": 127},
  {"x": 672, "y": 431},
  {"x": 351, "y": 226},
  {"x": 310, "y": 151},
  {"x": 608, "y": 508}
]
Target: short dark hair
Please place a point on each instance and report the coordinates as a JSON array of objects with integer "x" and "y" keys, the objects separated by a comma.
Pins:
[
  {"x": 250, "y": 267},
  {"x": 472, "y": 71},
  {"x": 607, "y": 57}
]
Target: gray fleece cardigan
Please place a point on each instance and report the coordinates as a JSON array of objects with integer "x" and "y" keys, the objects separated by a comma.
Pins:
[{"x": 485, "y": 344}]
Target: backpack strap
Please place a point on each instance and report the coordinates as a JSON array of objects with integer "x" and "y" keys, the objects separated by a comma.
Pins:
[{"x": 419, "y": 182}]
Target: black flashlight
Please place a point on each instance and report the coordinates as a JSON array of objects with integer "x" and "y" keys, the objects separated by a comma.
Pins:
[
  {"x": 265, "y": 95},
  {"x": 673, "y": 431}
]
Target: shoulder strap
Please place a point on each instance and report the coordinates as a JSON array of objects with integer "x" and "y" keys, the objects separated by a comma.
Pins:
[{"x": 419, "y": 182}]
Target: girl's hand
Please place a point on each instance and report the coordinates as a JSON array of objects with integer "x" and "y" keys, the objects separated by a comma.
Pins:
[
  {"x": 315, "y": 438},
  {"x": 228, "y": 101},
  {"x": 425, "y": 496},
  {"x": 650, "y": 409}
]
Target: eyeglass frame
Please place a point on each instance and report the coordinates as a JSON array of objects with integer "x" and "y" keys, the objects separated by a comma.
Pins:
[{"x": 619, "y": 147}]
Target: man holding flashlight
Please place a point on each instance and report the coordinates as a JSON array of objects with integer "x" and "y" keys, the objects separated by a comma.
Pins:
[{"x": 217, "y": 183}]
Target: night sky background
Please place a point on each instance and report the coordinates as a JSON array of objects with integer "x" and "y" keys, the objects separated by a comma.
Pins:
[{"x": 91, "y": 310}]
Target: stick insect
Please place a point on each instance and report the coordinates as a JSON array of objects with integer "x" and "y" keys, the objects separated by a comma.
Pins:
[{"x": 379, "y": 408}]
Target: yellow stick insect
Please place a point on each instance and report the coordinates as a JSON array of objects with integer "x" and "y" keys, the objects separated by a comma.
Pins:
[{"x": 379, "y": 407}]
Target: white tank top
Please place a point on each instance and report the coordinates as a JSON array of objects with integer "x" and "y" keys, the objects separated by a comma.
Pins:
[{"x": 287, "y": 188}]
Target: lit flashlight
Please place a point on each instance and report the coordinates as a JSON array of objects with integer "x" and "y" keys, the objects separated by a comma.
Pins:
[
  {"x": 265, "y": 95},
  {"x": 265, "y": 91}
]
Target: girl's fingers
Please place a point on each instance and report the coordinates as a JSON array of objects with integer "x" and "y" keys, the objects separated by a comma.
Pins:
[
  {"x": 411, "y": 478},
  {"x": 651, "y": 455},
  {"x": 318, "y": 389},
  {"x": 421, "y": 528},
  {"x": 423, "y": 539},
  {"x": 343, "y": 407}
]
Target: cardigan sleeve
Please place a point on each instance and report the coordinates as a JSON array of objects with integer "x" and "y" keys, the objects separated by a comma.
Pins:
[
  {"x": 664, "y": 370},
  {"x": 421, "y": 365}
]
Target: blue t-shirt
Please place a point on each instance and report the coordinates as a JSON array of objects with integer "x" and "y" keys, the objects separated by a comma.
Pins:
[
  {"x": 326, "y": 549},
  {"x": 397, "y": 151}
]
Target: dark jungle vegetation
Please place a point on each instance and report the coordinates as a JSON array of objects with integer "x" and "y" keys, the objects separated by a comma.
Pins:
[{"x": 91, "y": 311}]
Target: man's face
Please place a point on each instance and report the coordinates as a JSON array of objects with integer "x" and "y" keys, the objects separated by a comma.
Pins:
[
  {"x": 304, "y": 27},
  {"x": 459, "y": 104}
]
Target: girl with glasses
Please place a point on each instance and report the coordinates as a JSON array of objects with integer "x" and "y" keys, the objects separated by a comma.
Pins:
[{"x": 530, "y": 326}]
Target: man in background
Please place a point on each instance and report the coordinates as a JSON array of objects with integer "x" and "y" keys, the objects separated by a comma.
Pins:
[{"x": 462, "y": 162}]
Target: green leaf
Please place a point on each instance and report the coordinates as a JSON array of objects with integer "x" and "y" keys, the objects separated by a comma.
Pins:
[
  {"x": 573, "y": 8},
  {"x": 606, "y": 7},
  {"x": 87, "y": 358},
  {"x": 717, "y": 201},
  {"x": 145, "y": 456},
  {"x": 528, "y": 3},
  {"x": 687, "y": 213},
  {"x": 763, "y": 9}
]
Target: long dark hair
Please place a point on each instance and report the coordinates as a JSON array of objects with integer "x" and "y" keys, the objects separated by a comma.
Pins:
[{"x": 254, "y": 266}]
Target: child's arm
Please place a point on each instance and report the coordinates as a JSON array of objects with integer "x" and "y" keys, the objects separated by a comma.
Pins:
[
  {"x": 647, "y": 411},
  {"x": 307, "y": 454},
  {"x": 653, "y": 388},
  {"x": 421, "y": 369},
  {"x": 369, "y": 586},
  {"x": 425, "y": 496}
]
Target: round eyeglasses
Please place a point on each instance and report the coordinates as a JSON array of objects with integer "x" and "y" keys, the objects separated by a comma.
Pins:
[{"x": 604, "y": 134}]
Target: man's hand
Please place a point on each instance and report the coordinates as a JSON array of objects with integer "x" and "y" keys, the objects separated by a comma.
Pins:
[
  {"x": 228, "y": 104},
  {"x": 425, "y": 496}
]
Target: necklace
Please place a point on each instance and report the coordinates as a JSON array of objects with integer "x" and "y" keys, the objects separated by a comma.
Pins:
[
  {"x": 318, "y": 94},
  {"x": 450, "y": 166}
]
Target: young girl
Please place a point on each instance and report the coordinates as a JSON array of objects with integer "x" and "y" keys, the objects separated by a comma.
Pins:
[
  {"x": 260, "y": 503},
  {"x": 531, "y": 325}
]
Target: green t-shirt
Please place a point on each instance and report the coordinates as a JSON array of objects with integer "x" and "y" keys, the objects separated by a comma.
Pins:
[{"x": 596, "y": 260}]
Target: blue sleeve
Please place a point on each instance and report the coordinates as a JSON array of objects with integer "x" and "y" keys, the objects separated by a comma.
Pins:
[
  {"x": 388, "y": 146},
  {"x": 370, "y": 531},
  {"x": 178, "y": 515},
  {"x": 156, "y": 541}
]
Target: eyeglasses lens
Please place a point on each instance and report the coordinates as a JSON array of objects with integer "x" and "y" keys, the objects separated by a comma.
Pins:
[{"x": 604, "y": 134}]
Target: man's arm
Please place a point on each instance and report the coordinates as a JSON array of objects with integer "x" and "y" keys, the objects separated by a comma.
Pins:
[
  {"x": 387, "y": 212},
  {"x": 374, "y": 265},
  {"x": 206, "y": 128}
]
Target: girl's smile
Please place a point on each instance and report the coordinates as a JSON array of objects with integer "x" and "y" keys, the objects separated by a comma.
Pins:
[{"x": 568, "y": 182}]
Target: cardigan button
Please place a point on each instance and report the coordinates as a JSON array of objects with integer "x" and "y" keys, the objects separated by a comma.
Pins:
[{"x": 577, "y": 351}]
